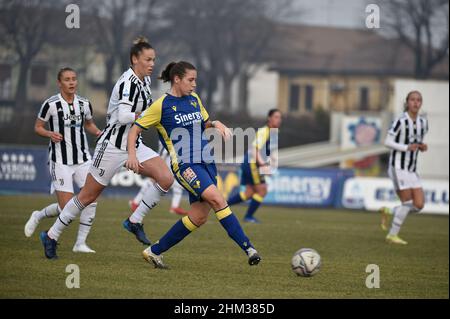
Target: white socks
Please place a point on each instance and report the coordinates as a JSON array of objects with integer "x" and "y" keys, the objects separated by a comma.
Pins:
[
  {"x": 177, "y": 190},
  {"x": 142, "y": 191},
  {"x": 51, "y": 210},
  {"x": 86, "y": 220},
  {"x": 69, "y": 213},
  {"x": 400, "y": 214},
  {"x": 151, "y": 197}
]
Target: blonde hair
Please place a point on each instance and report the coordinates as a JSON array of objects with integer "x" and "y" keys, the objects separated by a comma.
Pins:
[
  {"x": 139, "y": 44},
  {"x": 140, "y": 39},
  {"x": 405, "y": 105}
]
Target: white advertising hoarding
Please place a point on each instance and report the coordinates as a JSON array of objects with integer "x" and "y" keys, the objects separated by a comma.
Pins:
[{"x": 372, "y": 193}]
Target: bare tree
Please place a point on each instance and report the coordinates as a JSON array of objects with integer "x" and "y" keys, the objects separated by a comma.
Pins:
[
  {"x": 226, "y": 39},
  {"x": 422, "y": 25},
  {"x": 26, "y": 27},
  {"x": 253, "y": 36},
  {"x": 114, "y": 24}
]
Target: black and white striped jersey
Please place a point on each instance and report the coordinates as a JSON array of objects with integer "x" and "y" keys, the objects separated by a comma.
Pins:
[
  {"x": 67, "y": 119},
  {"x": 405, "y": 131},
  {"x": 130, "y": 95}
]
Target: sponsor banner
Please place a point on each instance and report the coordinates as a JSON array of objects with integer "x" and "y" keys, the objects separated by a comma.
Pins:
[
  {"x": 24, "y": 170},
  {"x": 293, "y": 187},
  {"x": 305, "y": 187},
  {"x": 372, "y": 193}
]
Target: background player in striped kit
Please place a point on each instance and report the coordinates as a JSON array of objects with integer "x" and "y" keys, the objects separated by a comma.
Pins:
[
  {"x": 256, "y": 159},
  {"x": 177, "y": 189},
  {"x": 181, "y": 120},
  {"x": 68, "y": 116},
  {"x": 405, "y": 139},
  {"x": 130, "y": 96}
]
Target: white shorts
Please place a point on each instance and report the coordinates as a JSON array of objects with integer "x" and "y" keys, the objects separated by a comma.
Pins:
[
  {"x": 403, "y": 179},
  {"x": 63, "y": 176},
  {"x": 108, "y": 159}
]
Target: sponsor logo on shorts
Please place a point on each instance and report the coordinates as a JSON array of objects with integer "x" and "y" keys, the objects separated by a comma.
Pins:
[{"x": 189, "y": 175}]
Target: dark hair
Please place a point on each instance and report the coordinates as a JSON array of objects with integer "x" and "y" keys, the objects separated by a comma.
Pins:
[
  {"x": 405, "y": 106},
  {"x": 139, "y": 44},
  {"x": 62, "y": 70},
  {"x": 272, "y": 112},
  {"x": 175, "y": 69}
]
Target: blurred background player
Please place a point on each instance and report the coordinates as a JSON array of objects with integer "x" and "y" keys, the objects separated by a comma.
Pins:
[
  {"x": 182, "y": 111},
  {"x": 405, "y": 139},
  {"x": 130, "y": 96},
  {"x": 69, "y": 117},
  {"x": 256, "y": 161},
  {"x": 177, "y": 189}
]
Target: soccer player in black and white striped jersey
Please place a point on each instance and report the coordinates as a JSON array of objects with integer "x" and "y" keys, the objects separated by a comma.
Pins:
[
  {"x": 69, "y": 116},
  {"x": 406, "y": 140},
  {"x": 130, "y": 96}
]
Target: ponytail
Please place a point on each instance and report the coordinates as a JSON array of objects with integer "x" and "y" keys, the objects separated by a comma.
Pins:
[{"x": 174, "y": 69}]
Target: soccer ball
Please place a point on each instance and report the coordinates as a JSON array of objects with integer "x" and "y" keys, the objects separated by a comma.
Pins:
[{"x": 306, "y": 262}]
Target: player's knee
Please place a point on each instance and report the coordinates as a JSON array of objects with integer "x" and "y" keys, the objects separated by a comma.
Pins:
[
  {"x": 87, "y": 198},
  {"x": 199, "y": 220},
  {"x": 418, "y": 205},
  {"x": 217, "y": 201},
  {"x": 249, "y": 193},
  {"x": 263, "y": 192},
  {"x": 165, "y": 181}
]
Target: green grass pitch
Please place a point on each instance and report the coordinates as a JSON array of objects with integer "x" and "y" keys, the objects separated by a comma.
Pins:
[{"x": 207, "y": 264}]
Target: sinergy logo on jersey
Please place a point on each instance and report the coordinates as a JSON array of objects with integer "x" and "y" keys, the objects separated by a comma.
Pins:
[{"x": 188, "y": 119}]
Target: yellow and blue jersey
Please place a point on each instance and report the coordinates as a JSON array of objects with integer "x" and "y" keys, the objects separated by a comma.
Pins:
[
  {"x": 261, "y": 144},
  {"x": 249, "y": 168},
  {"x": 180, "y": 122}
]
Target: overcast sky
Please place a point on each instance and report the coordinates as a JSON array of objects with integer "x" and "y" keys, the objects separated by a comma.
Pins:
[{"x": 336, "y": 13}]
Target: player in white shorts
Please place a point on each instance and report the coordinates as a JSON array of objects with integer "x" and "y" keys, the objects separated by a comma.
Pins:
[
  {"x": 177, "y": 189},
  {"x": 130, "y": 96},
  {"x": 69, "y": 116},
  {"x": 405, "y": 139}
]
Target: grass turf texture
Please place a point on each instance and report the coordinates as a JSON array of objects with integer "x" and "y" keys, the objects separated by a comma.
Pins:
[{"x": 207, "y": 264}]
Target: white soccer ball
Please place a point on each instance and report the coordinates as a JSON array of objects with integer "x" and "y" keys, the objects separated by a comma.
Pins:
[{"x": 306, "y": 262}]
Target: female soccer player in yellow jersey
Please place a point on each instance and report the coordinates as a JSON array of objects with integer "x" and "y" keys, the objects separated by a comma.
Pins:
[
  {"x": 257, "y": 158},
  {"x": 180, "y": 113}
]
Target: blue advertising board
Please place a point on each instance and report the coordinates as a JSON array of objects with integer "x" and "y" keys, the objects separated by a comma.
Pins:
[
  {"x": 25, "y": 170},
  {"x": 295, "y": 186}
]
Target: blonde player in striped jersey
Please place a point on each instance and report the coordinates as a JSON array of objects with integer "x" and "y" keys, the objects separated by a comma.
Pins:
[
  {"x": 130, "y": 96},
  {"x": 69, "y": 116},
  {"x": 406, "y": 140}
]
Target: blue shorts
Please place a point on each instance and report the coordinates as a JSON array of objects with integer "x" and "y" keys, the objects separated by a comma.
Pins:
[
  {"x": 195, "y": 178},
  {"x": 250, "y": 174}
]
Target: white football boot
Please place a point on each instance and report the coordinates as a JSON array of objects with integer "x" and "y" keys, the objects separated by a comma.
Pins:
[{"x": 31, "y": 224}]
